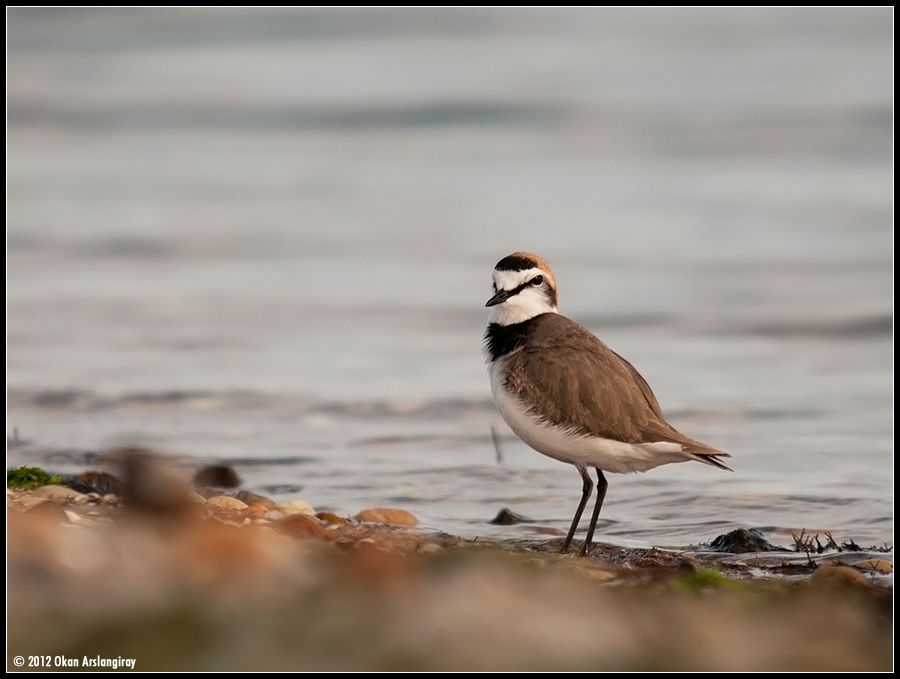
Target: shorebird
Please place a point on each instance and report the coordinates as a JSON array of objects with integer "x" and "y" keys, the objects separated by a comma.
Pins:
[{"x": 568, "y": 395}]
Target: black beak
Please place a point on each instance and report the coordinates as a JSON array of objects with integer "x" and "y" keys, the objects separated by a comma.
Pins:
[{"x": 499, "y": 298}]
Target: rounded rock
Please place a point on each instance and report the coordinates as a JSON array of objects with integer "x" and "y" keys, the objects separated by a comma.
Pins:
[
  {"x": 332, "y": 519},
  {"x": 218, "y": 476},
  {"x": 507, "y": 517},
  {"x": 879, "y": 565},
  {"x": 388, "y": 515},
  {"x": 61, "y": 494},
  {"x": 225, "y": 502},
  {"x": 292, "y": 507},
  {"x": 304, "y": 527},
  {"x": 254, "y": 499},
  {"x": 838, "y": 577},
  {"x": 95, "y": 482}
]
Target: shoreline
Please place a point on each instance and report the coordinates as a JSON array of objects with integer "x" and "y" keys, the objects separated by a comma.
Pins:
[{"x": 301, "y": 591}]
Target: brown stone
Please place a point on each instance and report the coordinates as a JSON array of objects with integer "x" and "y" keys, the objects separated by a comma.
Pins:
[
  {"x": 61, "y": 494},
  {"x": 879, "y": 565},
  {"x": 225, "y": 502},
  {"x": 218, "y": 476},
  {"x": 394, "y": 517},
  {"x": 333, "y": 519},
  {"x": 507, "y": 517},
  {"x": 838, "y": 577},
  {"x": 151, "y": 486},
  {"x": 251, "y": 498},
  {"x": 296, "y": 507},
  {"x": 304, "y": 527},
  {"x": 96, "y": 482},
  {"x": 389, "y": 515}
]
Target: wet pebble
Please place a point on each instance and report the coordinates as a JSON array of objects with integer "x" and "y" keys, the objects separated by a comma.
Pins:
[
  {"x": 101, "y": 483},
  {"x": 217, "y": 476},
  {"x": 292, "y": 507},
  {"x": 507, "y": 517},
  {"x": 225, "y": 502},
  {"x": 304, "y": 526},
  {"x": 332, "y": 519},
  {"x": 251, "y": 498},
  {"x": 879, "y": 565},
  {"x": 151, "y": 486},
  {"x": 838, "y": 577},
  {"x": 743, "y": 541},
  {"x": 389, "y": 515},
  {"x": 207, "y": 492}
]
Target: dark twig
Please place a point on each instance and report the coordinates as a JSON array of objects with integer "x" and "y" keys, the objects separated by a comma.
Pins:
[
  {"x": 812, "y": 545},
  {"x": 849, "y": 546},
  {"x": 819, "y": 547},
  {"x": 804, "y": 543}
]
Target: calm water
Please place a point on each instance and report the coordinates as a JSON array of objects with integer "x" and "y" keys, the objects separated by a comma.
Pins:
[{"x": 266, "y": 237}]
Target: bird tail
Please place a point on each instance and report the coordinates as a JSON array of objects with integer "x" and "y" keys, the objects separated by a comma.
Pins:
[
  {"x": 693, "y": 449},
  {"x": 709, "y": 457}
]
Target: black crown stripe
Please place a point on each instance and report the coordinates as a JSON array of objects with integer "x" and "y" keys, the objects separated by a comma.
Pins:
[{"x": 515, "y": 263}]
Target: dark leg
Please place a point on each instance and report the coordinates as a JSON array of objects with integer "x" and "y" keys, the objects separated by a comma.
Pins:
[
  {"x": 585, "y": 494},
  {"x": 601, "y": 493}
]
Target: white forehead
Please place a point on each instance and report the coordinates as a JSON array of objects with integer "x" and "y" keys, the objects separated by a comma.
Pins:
[{"x": 509, "y": 280}]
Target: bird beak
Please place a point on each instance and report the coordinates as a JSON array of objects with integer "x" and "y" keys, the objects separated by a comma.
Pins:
[{"x": 499, "y": 298}]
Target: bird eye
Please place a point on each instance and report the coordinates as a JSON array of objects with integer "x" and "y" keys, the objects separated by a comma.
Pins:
[{"x": 537, "y": 280}]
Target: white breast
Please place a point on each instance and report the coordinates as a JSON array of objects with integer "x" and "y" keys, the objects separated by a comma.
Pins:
[{"x": 566, "y": 445}]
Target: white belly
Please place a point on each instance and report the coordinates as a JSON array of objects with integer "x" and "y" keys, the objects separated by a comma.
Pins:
[{"x": 565, "y": 445}]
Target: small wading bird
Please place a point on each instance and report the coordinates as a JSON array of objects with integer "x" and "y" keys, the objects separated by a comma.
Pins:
[{"x": 568, "y": 395}]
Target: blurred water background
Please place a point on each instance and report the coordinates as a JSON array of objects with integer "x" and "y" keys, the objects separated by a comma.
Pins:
[{"x": 266, "y": 237}]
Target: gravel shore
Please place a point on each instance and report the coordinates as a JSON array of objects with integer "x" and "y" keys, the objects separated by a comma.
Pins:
[{"x": 215, "y": 583}]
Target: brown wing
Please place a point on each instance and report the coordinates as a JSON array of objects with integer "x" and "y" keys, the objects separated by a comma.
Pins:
[
  {"x": 646, "y": 391},
  {"x": 586, "y": 386}
]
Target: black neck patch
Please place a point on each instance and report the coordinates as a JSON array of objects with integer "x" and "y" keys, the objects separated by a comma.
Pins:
[
  {"x": 515, "y": 263},
  {"x": 500, "y": 340}
]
